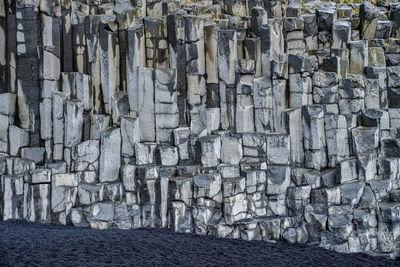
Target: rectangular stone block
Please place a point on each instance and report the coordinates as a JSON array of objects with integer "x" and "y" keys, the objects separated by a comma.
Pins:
[
  {"x": 346, "y": 171},
  {"x": 278, "y": 149},
  {"x": 145, "y": 153},
  {"x": 86, "y": 155},
  {"x": 210, "y": 150},
  {"x": 18, "y": 138},
  {"x": 38, "y": 176},
  {"x": 130, "y": 135},
  {"x": 231, "y": 149},
  {"x": 36, "y": 207},
  {"x": 12, "y": 196},
  {"x": 110, "y": 155}
]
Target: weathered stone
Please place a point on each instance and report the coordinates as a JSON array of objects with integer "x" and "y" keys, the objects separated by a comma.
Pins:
[
  {"x": 231, "y": 149},
  {"x": 73, "y": 123},
  {"x": 181, "y": 136},
  {"x": 150, "y": 194},
  {"x": 12, "y": 196},
  {"x": 207, "y": 204},
  {"x": 278, "y": 149},
  {"x": 145, "y": 153},
  {"x": 18, "y": 138},
  {"x": 35, "y": 154},
  {"x": 168, "y": 155},
  {"x": 258, "y": 120},
  {"x": 7, "y": 104},
  {"x": 38, "y": 176},
  {"x": 278, "y": 179},
  {"x": 119, "y": 107},
  {"x": 110, "y": 148},
  {"x": 365, "y": 139},
  {"x": 86, "y": 155},
  {"x": 210, "y": 150}
]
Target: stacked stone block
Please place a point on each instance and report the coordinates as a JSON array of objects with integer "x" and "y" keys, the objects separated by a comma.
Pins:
[{"x": 239, "y": 119}]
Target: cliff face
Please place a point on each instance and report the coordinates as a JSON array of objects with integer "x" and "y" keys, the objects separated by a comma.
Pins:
[{"x": 251, "y": 119}]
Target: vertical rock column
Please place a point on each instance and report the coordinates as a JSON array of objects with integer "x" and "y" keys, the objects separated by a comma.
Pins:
[
  {"x": 150, "y": 199},
  {"x": 36, "y": 207},
  {"x": 66, "y": 45},
  {"x": 135, "y": 56},
  {"x": 181, "y": 141},
  {"x": 12, "y": 187},
  {"x": 79, "y": 86},
  {"x": 3, "y": 47},
  {"x": 7, "y": 113},
  {"x": 64, "y": 189},
  {"x": 73, "y": 115},
  {"x": 337, "y": 140},
  {"x": 58, "y": 103},
  {"x": 227, "y": 53},
  {"x": 28, "y": 86},
  {"x": 79, "y": 12},
  {"x": 180, "y": 204},
  {"x": 130, "y": 135},
  {"x": 314, "y": 136},
  {"x": 195, "y": 70},
  {"x": 310, "y": 32},
  {"x": 376, "y": 93},
  {"x": 132, "y": 193},
  {"x": 211, "y": 61},
  {"x": 177, "y": 52},
  {"x": 351, "y": 95},
  {"x": 326, "y": 91},
  {"x": 110, "y": 149},
  {"x": 156, "y": 42},
  {"x": 166, "y": 105},
  {"x": 393, "y": 83},
  {"x": 292, "y": 126},
  {"x": 109, "y": 60},
  {"x": 339, "y": 60},
  {"x": 394, "y": 16},
  {"x": 300, "y": 89},
  {"x": 145, "y": 104},
  {"x": 262, "y": 100},
  {"x": 207, "y": 202},
  {"x": 11, "y": 47},
  {"x": 92, "y": 23},
  {"x": 49, "y": 76},
  {"x": 257, "y": 200},
  {"x": 294, "y": 27},
  {"x": 235, "y": 205},
  {"x": 244, "y": 117}
]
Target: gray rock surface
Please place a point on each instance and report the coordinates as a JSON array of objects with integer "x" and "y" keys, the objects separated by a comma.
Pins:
[{"x": 258, "y": 120}]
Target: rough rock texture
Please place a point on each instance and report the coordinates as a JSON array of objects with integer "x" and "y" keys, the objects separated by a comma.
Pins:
[{"x": 258, "y": 120}]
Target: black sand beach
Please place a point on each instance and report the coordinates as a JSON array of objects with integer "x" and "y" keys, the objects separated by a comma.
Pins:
[{"x": 28, "y": 244}]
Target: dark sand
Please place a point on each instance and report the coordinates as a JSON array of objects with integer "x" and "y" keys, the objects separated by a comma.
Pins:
[{"x": 23, "y": 243}]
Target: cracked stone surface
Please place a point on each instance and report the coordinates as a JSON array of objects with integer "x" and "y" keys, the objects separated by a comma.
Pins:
[{"x": 255, "y": 120}]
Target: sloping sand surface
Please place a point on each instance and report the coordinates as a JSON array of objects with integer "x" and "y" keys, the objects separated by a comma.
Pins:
[{"x": 29, "y": 244}]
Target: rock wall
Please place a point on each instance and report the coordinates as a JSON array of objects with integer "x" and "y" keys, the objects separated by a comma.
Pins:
[{"x": 245, "y": 119}]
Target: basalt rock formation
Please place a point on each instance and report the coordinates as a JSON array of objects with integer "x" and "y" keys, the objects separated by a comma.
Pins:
[{"x": 253, "y": 119}]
